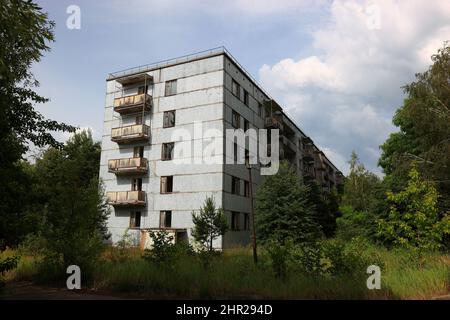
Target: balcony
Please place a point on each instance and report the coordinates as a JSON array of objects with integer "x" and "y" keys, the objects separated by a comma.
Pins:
[
  {"x": 273, "y": 123},
  {"x": 292, "y": 146},
  {"x": 308, "y": 172},
  {"x": 128, "y": 166},
  {"x": 127, "y": 134},
  {"x": 126, "y": 198},
  {"x": 133, "y": 104},
  {"x": 308, "y": 154}
]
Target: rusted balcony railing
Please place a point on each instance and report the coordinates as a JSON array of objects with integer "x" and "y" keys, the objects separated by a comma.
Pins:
[
  {"x": 136, "y": 132},
  {"x": 126, "y": 198},
  {"x": 128, "y": 166},
  {"x": 133, "y": 104}
]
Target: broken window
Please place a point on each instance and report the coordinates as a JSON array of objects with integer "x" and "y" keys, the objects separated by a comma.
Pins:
[
  {"x": 235, "y": 186},
  {"x": 235, "y": 89},
  {"x": 167, "y": 151},
  {"x": 135, "y": 219},
  {"x": 259, "y": 109},
  {"x": 166, "y": 184},
  {"x": 235, "y": 221},
  {"x": 169, "y": 119},
  {"x": 171, "y": 88},
  {"x": 165, "y": 219}
]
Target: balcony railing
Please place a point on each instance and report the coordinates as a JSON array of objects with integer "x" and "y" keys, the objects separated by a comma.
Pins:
[
  {"x": 126, "y": 198},
  {"x": 308, "y": 153},
  {"x": 136, "y": 132},
  {"x": 133, "y": 104},
  {"x": 128, "y": 166}
]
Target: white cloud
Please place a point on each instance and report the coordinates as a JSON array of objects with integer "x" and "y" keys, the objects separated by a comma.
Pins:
[{"x": 345, "y": 94}]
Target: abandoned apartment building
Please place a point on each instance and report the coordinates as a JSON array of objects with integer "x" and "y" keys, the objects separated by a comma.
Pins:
[{"x": 147, "y": 190}]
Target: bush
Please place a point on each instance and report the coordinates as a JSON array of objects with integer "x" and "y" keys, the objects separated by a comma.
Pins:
[
  {"x": 7, "y": 264},
  {"x": 164, "y": 252}
]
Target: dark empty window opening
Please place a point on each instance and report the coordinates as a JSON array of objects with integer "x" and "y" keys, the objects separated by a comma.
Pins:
[
  {"x": 136, "y": 184},
  {"x": 166, "y": 184},
  {"x": 235, "y": 120},
  {"x": 235, "y": 186},
  {"x": 235, "y": 89},
  {"x": 135, "y": 219},
  {"x": 165, "y": 219},
  {"x": 246, "y": 98},
  {"x": 235, "y": 221},
  {"x": 138, "y": 152}
]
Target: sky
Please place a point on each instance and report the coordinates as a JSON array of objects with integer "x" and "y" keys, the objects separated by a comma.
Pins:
[{"x": 337, "y": 67}]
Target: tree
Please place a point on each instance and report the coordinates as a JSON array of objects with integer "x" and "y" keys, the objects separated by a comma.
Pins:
[
  {"x": 209, "y": 224},
  {"x": 24, "y": 34},
  {"x": 284, "y": 210},
  {"x": 72, "y": 203},
  {"x": 424, "y": 136},
  {"x": 413, "y": 220}
]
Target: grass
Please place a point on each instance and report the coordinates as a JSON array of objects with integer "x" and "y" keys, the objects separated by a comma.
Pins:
[{"x": 233, "y": 275}]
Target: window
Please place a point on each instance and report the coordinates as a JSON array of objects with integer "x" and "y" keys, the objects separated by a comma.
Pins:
[
  {"x": 167, "y": 151},
  {"x": 235, "y": 120},
  {"x": 166, "y": 184},
  {"x": 165, "y": 219},
  {"x": 235, "y": 221},
  {"x": 235, "y": 152},
  {"x": 246, "y": 125},
  {"x": 171, "y": 88},
  {"x": 142, "y": 89},
  {"x": 246, "y": 189},
  {"x": 138, "y": 152},
  {"x": 247, "y": 157},
  {"x": 246, "y": 98},
  {"x": 235, "y": 186},
  {"x": 235, "y": 89},
  {"x": 169, "y": 119},
  {"x": 246, "y": 221},
  {"x": 138, "y": 119},
  {"x": 136, "y": 184},
  {"x": 259, "y": 109},
  {"x": 135, "y": 219}
]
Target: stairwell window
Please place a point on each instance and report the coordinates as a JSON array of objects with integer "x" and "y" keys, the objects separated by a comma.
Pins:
[
  {"x": 165, "y": 219},
  {"x": 169, "y": 119},
  {"x": 235, "y": 221},
  {"x": 171, "y": 88},
  {"x": 236, "y": 89},
  {"x": 135, "y": 219},
  {"x": 167, "y": 151},
  {"x": 166, "y": 184}
]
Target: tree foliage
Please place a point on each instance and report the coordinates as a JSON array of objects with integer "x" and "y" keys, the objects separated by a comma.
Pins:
[
  {"x": 413, "y": 220},
  {"x": 424, "y": 135},
  {"x": 284, "y": 210},
  {"x": 25, "y": 32},
  {"x": 209, "y": 224}
]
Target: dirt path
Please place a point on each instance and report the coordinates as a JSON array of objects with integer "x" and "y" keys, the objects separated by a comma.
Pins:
[{"x": 28, "y": 291}]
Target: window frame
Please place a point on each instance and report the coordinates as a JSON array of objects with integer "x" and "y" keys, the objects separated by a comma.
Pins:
[
  {"x": 135, "y": 219},
  {"x": 235, "y": 221},
  {"x": 235, "y": 116},
  {"x": 235, "y": 185},
  {"x": 246, "y": 98},
  {"x": 167, "y": 178},
  {"x": 164, "y": 118},
  {"x": 163, "y": 151},
  {"x": 167, "y": 88},
  {"x": 235, "y": 84},
  {"x": 163, "y": 214}
]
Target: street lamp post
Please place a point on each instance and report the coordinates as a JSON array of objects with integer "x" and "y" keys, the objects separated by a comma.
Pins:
[{"x": 249, "y": 167}]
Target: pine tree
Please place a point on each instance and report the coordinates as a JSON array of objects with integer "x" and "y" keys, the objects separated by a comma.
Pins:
[
  {"x": 284, "y": 210},
  {"x": 209, "y": 224}
]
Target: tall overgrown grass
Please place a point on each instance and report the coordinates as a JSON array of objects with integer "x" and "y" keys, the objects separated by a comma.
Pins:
[{"x": 233, "y": 274}]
